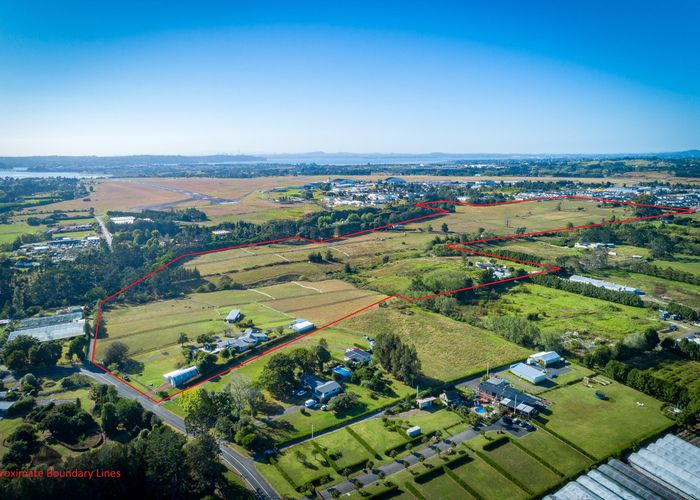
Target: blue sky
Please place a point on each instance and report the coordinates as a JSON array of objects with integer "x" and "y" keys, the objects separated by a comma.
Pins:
[{"x": 265, "y": 77}]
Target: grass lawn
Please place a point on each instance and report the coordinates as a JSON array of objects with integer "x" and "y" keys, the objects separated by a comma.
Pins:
[
  {"x": 687, "y": 263},
  {"x": 442, "y": 486},
  {"x": 599, "y": 427},
  {"x": 487, "y": 481},
  {"x": 303, "y": 464},
  {"x": 434, "y": 420},
  {"x": 349, "y": 448},
  {"x": 555, "y": 452},
  {"x": 377, "y": 436},
  {"x": 524, "y": 468},
  {"x": 7, "y": 427},
  {"x": 561, "y": 311},
  {"x": 10, "y": 232},
  {"x": 400, "y": 494},
  {"x": 448, "y": 349}
]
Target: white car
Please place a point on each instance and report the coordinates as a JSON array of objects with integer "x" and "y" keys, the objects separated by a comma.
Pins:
[{"x": 310, "y": 403}]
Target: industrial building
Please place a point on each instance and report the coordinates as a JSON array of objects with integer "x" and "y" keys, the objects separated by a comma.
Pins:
[
  {"x": 527, "y": 372},
  {"x": 604, "y": 284},
  {"x": 177, "y": 378}
]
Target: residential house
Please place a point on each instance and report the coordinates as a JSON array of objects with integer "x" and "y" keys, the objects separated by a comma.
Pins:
[
  {"x": 322, "y": 389},
  {"x": 357, "y": 356},
  {"x": 451, "y": 397},
  {"x": 499, "y": 391}
]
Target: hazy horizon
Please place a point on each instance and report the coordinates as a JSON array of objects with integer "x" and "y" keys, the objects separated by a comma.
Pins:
[{"x": 542, "y": 78}]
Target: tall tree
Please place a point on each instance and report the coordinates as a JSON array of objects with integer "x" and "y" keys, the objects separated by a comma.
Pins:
[
  {"x": 206, "y": 472},
  {"x": 278, "y": 375},
  {"x": 165, "y": 463}
]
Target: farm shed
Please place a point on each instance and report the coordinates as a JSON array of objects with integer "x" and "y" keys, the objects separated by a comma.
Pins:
[
  {"x": 302, "y": 326},
  {"x": 413, "y": 431},
  {"x": 425, "y": 402},
  {"x": 233, "y": 316},
  {"x": 544, "y": 358},
  {"x": 527, "y": 372},
  {"x": 179, "y": 377}
]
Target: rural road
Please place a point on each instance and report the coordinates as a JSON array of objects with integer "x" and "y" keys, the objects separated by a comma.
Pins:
[
  {"x": 105, "y": 231},
  {"x": 243, "y": 465}
]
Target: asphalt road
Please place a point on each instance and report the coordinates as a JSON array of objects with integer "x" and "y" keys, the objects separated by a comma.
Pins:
[
  {"x": 243, "y": 465},
  {"x": 105, "y": 232}
]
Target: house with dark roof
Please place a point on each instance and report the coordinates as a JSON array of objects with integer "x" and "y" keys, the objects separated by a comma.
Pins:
[
  {"x": 451, "y": 397},
  {"x": 357, "y": 356},
  {"x": 322, "y": 389},
  {"x": 496, "y": 390}
]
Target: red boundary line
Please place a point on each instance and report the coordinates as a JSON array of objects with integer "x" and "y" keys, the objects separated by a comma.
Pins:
[{"x": 454, "y": 246}]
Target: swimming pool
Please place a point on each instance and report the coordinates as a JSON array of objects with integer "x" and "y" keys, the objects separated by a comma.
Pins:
[{"x": 480, "y": 410}]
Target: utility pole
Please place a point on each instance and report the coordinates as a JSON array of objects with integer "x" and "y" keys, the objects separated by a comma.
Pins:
[{"x": 312, "y": 431}]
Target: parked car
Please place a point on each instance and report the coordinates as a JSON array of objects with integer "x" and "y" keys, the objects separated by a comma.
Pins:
[
  {"x": 300, "y": 393},
  {"x": 507, "y": 420},
  {"x": 523, "y": 424},
  {"x": 310, "y": 403},
  {"x": 531, "y": 428}
]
